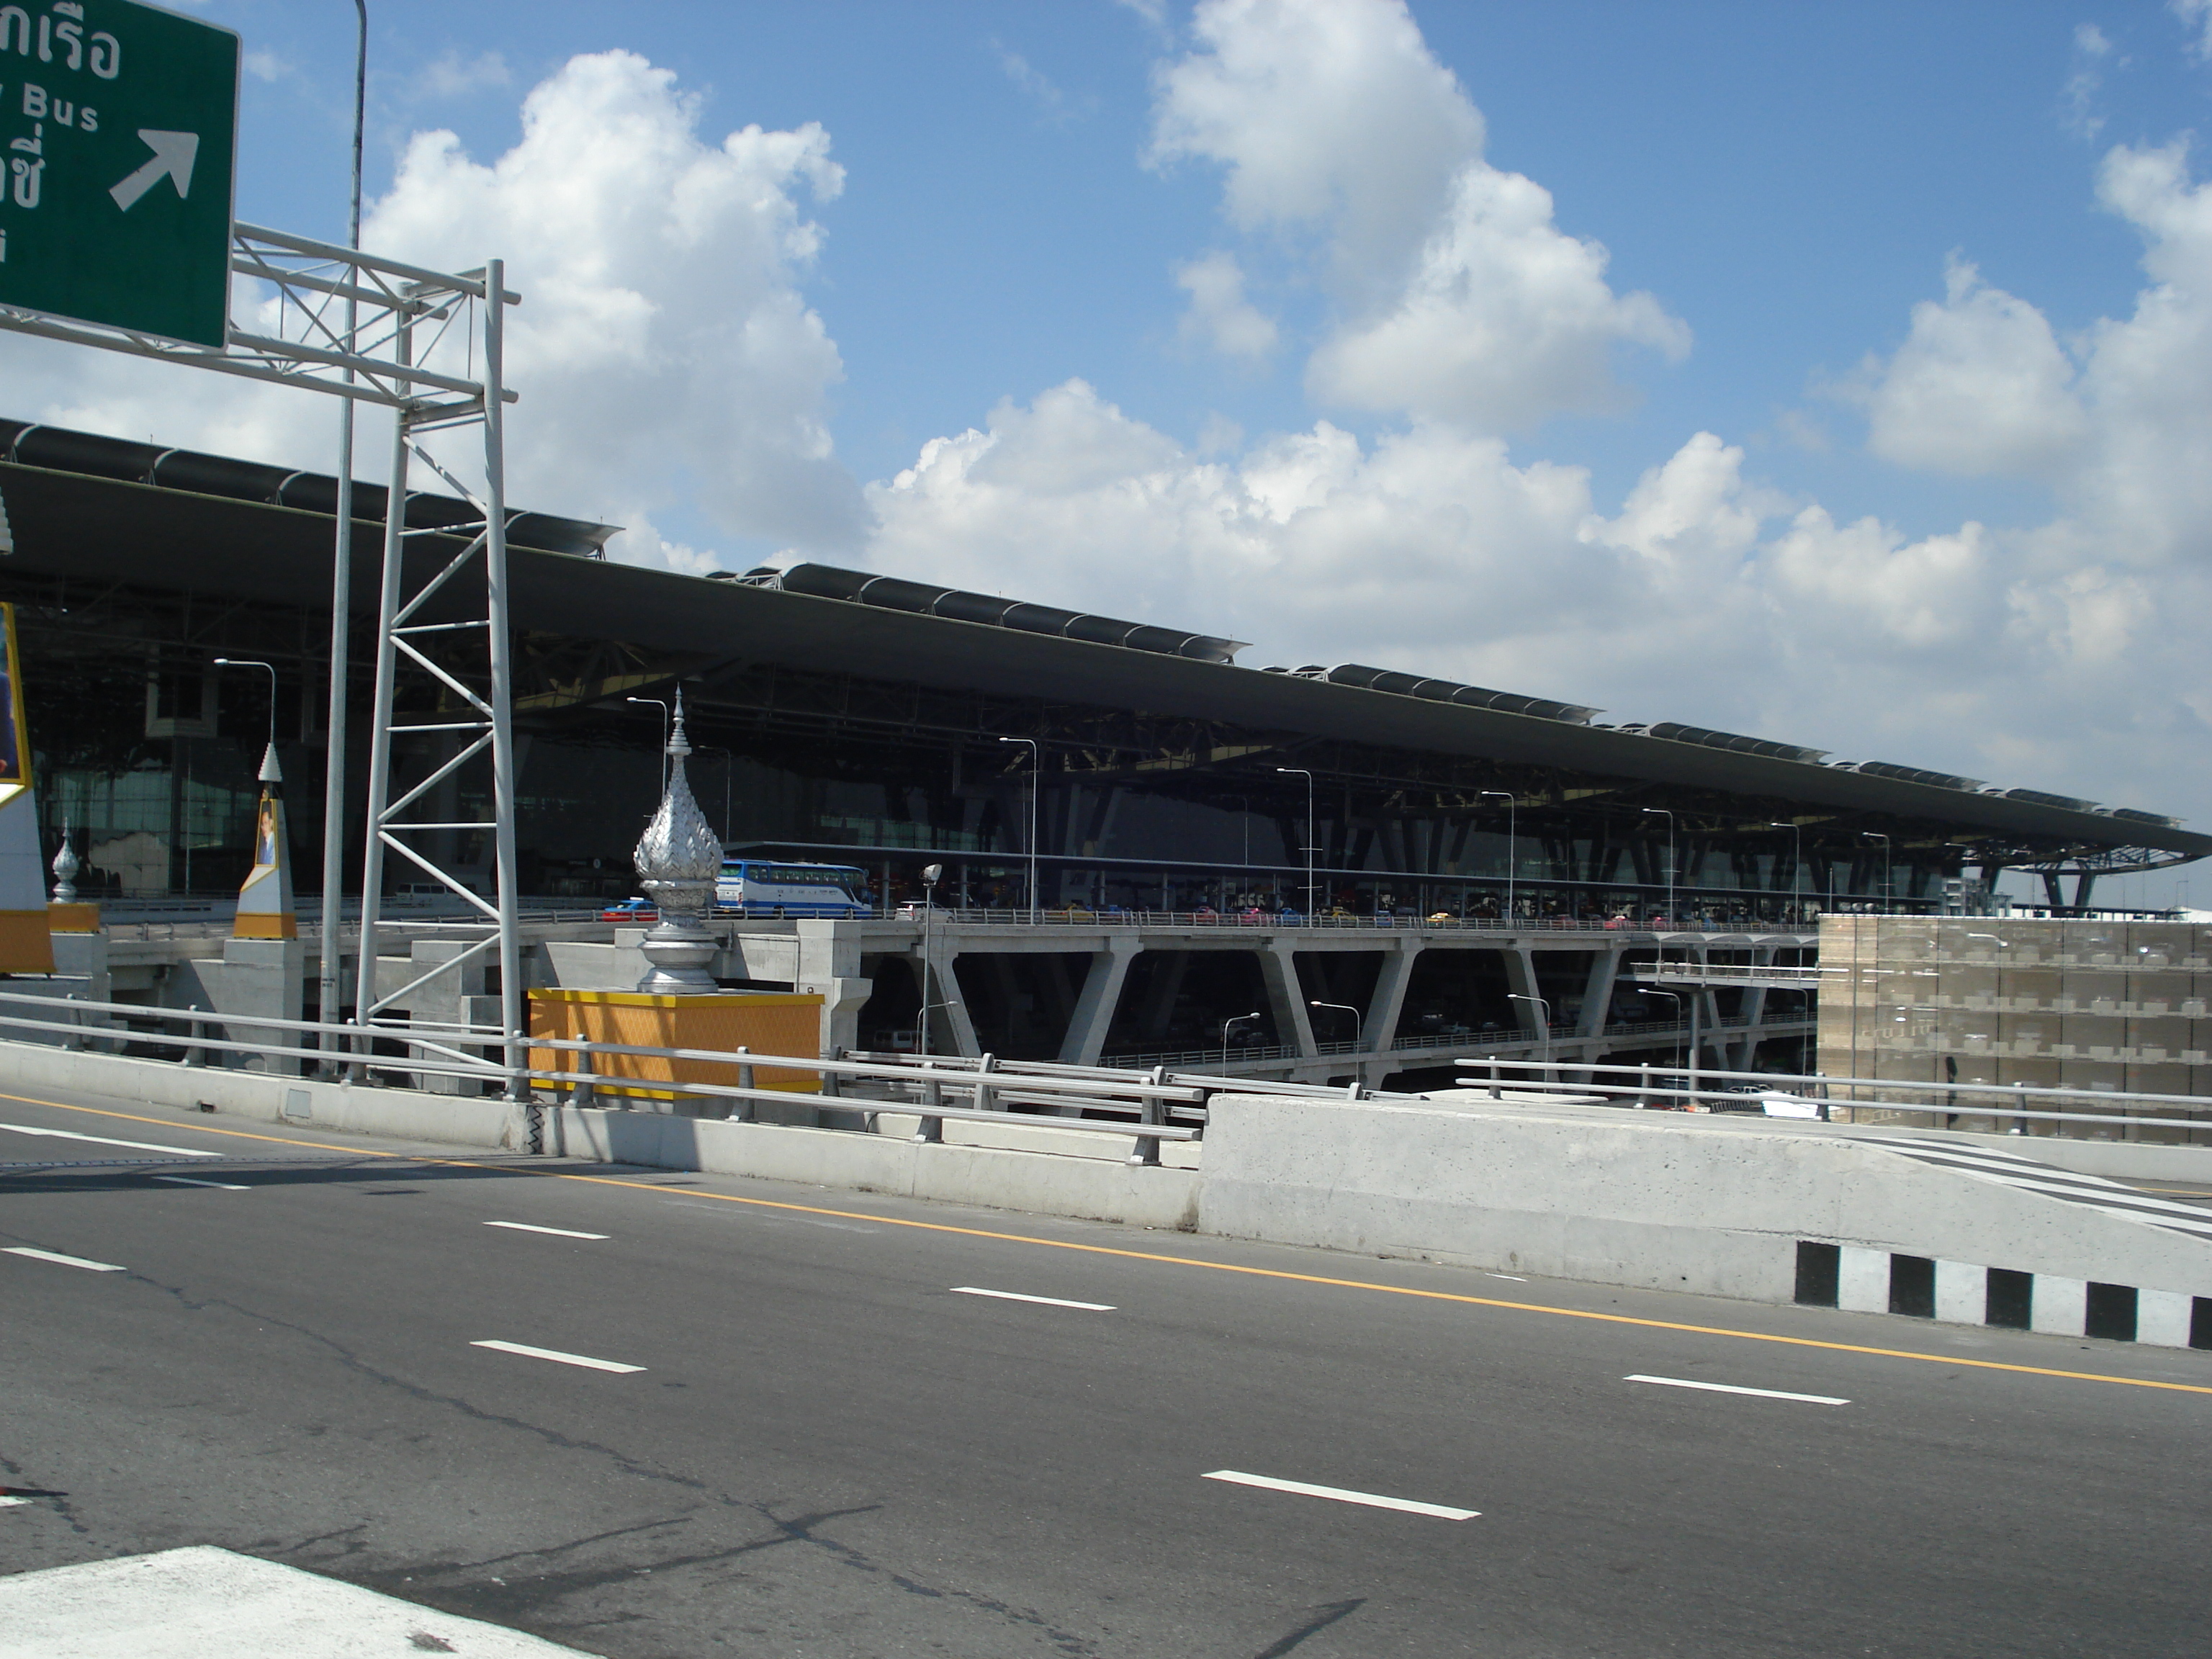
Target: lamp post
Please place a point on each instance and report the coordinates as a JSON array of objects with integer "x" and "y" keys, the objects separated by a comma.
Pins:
[
  {"x": 1234, "y": 1020},
  {"x": 243, "y": 662},
  {"x": 1796, "y": 858},
  {"x": 1680, "y": 1001},
  {"x": 665, "y": 721},
  {"x": 931, "y": 875},
  {"x": 1888, "y": 893},
  {"x": 1036, "y": 764},
  {"x": 1544, "y": 1052},
  {"x": 1671, "y": 921},
  {"x": 1510, "y": 803},
  {"x": 329, "y": 978},
  {"x": 1309, "y": 777},
  {"x": 1358, "y": 1018}
]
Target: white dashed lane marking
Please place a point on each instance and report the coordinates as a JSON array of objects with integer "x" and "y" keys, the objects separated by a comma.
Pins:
[
  {"x": 1731, "y": 1388},
  {"x": 109, "y": 1140},
  {"x": 65, "y": 1261},
  {"x": 219, "y": 1185},
  {"x": 557, "y": 1232},
  {"x": 1046, "y": 1301},
  {"x": 558, "y": 1357},
  {"x": 1372, "y": 1500}
]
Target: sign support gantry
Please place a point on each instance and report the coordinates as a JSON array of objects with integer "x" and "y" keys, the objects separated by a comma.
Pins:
[{"x": 403, "y": 319}]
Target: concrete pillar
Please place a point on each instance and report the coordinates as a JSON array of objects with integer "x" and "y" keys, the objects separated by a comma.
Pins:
[
  {"x": 262, "y": 976},
  {"x": 452, "y": 996},
  {"x": 1286, "y": 1000},
  {"x": 1597, "y": 992},
  {"x": 1380, "y": 1029},
  {"x": 830, "y": 966},
  {"x": 1095, "y": 1005}
]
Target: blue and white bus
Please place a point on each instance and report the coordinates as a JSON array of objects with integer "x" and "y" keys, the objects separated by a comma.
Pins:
[{"x": 765, "y": 887}]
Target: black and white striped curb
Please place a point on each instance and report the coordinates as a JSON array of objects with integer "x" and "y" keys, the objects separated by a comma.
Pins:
[{"x": 1860, "y": 1280}]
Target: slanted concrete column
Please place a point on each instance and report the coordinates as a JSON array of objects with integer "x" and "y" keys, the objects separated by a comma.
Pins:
[
  {"x": 1597, "y": 992},
  {"x": 1100, "y": 995},
  {"x": 951, "y": 1016},
  {"x": 1286, "y": 1000},
  {"x": 1380, "y": 1029}
]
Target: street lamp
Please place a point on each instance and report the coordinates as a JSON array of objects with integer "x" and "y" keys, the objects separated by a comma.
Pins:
[
  {"x": 1545, "y": 1052},
  {"x": 1510, "y": 803},
  {"x": 1234, "y": 1020},
  {"x": 1309, "y": 777},
  {"x": 1357, "y": 1018},
  {"x": 1888, "y": 893},
  {"x": 1796, "y": 858},
  {"x": 1680, "y": 1001},
  {"x": 663, "y": 708},
  {"x": 243, "y": 662},
  {"x": 329, "y": 979},
  {"x": 931, "y": 874},
  {"x": 1036, "y": 764},
  {"x": 1671, "y": 921}
]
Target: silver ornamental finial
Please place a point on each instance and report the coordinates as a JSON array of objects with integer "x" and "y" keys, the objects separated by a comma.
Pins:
[
  {"x": 678, "y": 859},
  {"x": 65, "y": 867}
]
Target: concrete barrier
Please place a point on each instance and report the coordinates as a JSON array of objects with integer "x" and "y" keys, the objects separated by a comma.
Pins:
[
  {"x": 472, "y": 1121},
  {"x": 1038, "y": 1169},
  {"x": 1716, "y": 1207},
  {"x": 993, "y": 1177}
]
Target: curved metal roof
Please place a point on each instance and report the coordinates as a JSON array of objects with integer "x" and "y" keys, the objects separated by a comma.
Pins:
[{"x": 94, "y": 507}]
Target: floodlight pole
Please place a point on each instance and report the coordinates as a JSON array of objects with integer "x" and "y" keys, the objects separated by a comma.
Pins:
[
  {"x": 1797, "y": 858},
  {"x": 1512, "y": 802},
  {"x": 1037, "y": 765},
  {"x": 330, "y": 973},
  {"x": 1309, "y": 777},
  {"x": 1672, "y": 921},
  {"x": 1888, "y": 893}
]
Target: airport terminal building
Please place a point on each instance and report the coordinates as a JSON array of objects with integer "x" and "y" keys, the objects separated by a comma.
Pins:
[{"x": 869, "y": 719}]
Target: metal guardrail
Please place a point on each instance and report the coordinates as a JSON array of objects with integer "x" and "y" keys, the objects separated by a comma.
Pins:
[
  {"x": 1080, "y": 917},
  {"x": 1731, "y": 972},
  {"x": 1741, "y": 1089},
  {"x": 1159, "y": 1104}
]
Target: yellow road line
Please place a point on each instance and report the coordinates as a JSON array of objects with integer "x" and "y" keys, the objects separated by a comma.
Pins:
[{"x": 1185, "y": 1260}]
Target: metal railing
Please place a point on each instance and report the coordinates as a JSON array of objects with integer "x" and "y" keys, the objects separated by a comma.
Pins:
[
  {"x": 1151, "y": 1105},
  {"x": 1079, "y": 917},
  {"x": 434, "y": 1048},
  {"x": 1838, "y": 1099}
]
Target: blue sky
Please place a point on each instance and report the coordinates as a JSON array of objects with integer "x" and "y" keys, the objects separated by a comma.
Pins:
[
  {"x": 1789, "y": 179},
  {"x": 1253, "y": 316}
]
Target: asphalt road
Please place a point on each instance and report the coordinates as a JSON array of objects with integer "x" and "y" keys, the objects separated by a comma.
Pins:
[{"x": 833, "y": 1447}]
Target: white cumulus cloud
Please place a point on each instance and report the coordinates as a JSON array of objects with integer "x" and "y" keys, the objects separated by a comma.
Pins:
[
  {"x": 667, "y": 360},
  {"x": 1220, "y": 318},
  {"x": 1457, "y": 295}
]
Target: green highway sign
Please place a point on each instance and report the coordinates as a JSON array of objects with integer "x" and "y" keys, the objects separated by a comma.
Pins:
[{"x": 118, "y": 126}]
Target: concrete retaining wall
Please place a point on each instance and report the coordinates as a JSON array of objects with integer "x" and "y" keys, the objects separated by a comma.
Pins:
[{"x": 1626, "y": 1198}]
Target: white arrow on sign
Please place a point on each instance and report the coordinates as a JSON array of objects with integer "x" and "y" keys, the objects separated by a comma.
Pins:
[{"x": 173, "y": 155}]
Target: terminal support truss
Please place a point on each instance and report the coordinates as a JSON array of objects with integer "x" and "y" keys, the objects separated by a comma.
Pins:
[{"x": 366, "y": 329}]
